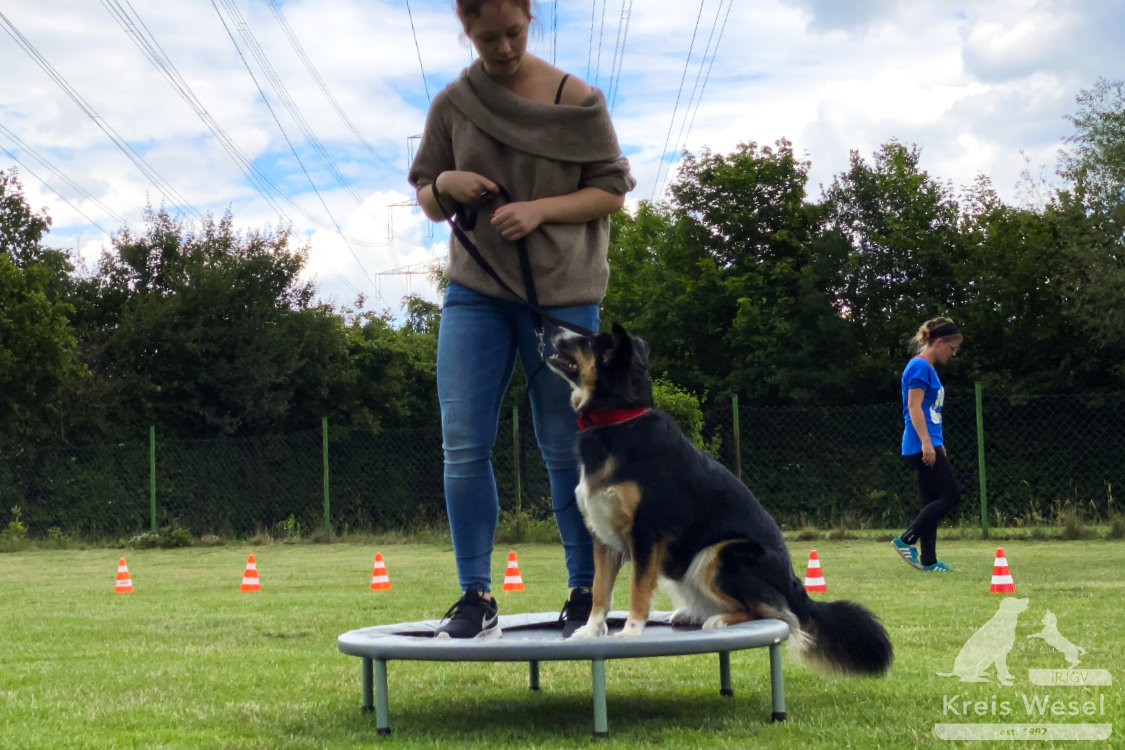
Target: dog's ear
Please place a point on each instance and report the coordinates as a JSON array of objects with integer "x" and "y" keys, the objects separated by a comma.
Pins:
[
  {"x": 641, "y": 351},
  {"x": 605, "y": 347},
  {"x": 622, "y": 346},
  {"x": 629, "y": 347}
]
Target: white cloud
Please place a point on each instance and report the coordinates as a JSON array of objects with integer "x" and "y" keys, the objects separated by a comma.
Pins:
[{"x": 978, "y": 87}]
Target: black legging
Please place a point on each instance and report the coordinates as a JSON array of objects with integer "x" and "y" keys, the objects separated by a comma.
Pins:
[{"x": 940, "y": 497}]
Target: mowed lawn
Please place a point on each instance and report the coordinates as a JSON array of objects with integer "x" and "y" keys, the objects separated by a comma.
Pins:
[{"x": 189, "y": 662}]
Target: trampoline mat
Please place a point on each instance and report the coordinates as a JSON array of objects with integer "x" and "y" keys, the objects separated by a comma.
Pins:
[{"x": 539, "y": 637}]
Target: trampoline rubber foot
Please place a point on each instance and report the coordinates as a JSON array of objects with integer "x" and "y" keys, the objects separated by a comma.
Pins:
[
  {"x": 383, "y": 731},
  {"x": 601, "y": 735},
  {"x": 778, "y": 716},
  {"x": 726, "y": 693}
]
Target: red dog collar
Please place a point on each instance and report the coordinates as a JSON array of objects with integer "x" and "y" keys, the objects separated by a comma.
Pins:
[{"x": 606, "y": 417}]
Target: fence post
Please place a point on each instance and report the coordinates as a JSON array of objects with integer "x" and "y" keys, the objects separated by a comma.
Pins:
[
  {"x": 324, "y": 454},
  {"x": 516, "y": 456},
  {"x": 737, "y": 440},
  {"x": 980, "y": 463},
  {"x": 152, "y": 474}
]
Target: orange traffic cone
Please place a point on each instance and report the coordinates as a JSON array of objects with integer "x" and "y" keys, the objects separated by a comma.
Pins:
[
  {"x": 379, "y": 579},
  {"x": 1002, "y": 582},
  {"x": 124, "y": 583},
  {"x": 814, "y": 576},
  {"x": 250, "y": 577},
  {"x": 512, "y": 579}
]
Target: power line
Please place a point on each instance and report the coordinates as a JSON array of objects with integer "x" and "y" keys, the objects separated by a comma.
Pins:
[
  {"x": 714, "y": 54},
  {"x": 25, "y": 148},
  {"x": 295, "y": 43},
  {"x": 282, "y": 93},
  {"x": 590, "y": 42},
  {"x": 554, "y": 32},
  {"x": 418, "y": 49},
  {"x": 138, "y": 161},
  {"x": 55, "y": 190},
  {"x": 601, "y": 36},
  {"x": 619, "y": 51},
  {"x": 696, "y": 89},
  {"x": 293, "y": 150},
  {"x": 676, "y": 106},
  {"x": 135, "y": 28}
]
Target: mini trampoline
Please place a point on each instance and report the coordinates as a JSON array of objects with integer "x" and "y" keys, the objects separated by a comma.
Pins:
[{"x": 538, "y": 637}]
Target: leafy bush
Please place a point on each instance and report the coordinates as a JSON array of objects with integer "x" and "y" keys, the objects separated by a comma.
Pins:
[
  {"x": 16, "y": 529},
  {"x": 685, "y": 408}
]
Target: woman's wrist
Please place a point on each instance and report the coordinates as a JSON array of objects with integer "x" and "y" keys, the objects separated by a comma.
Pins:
[{"x": 440, "y": 198}]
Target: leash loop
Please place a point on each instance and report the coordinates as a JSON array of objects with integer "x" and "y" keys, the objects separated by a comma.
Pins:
[{"x": 462, "y": 221}]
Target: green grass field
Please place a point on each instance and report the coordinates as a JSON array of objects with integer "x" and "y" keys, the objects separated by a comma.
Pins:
[{"x": 189, "y": 662}]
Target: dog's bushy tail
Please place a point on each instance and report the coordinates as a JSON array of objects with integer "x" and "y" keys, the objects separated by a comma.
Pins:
[{"x": 843, "y": 636}]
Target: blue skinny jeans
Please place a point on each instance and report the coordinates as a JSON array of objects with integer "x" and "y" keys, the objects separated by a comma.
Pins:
[{"x": 478, "y": 341}]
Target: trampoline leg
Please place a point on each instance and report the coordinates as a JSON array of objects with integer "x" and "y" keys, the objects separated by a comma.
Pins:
[
  {"x": 533, "y": 675},
  {"x": 368, "y": 700},
  {"x": 382, "y": 722},
  {"x": 724, "y": 675},
  {"x": 601, "y": 720},
  {"x": 777, "y": 683}
]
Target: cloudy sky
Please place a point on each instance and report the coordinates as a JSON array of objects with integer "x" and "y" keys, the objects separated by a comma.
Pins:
[{"x": 307, "y": 111}]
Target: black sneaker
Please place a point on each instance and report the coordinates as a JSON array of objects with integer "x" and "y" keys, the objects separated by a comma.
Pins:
[
  {"x": 576, "y": 611},
  {"x": 472, "y": 616}
]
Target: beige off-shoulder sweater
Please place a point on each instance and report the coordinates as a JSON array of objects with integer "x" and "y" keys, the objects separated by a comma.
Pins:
[{"x": 535, "y": 151}]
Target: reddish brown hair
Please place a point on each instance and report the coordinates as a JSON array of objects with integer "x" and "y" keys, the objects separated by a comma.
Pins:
[{"x": 469, "y": 9}]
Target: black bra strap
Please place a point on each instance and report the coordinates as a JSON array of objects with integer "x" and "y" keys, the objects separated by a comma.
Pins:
[{"x": 558, "y": 94}]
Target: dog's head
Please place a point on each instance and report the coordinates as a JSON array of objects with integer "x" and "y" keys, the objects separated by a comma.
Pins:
[{"x": 606, "y": 371}]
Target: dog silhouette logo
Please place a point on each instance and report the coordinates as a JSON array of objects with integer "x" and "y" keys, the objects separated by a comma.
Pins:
[
  {"x": 989, "y": 646},
  {"x": 1050, "y": 633}
]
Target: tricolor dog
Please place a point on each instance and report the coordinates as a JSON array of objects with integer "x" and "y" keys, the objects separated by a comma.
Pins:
[{"x": 650, "y": 497}]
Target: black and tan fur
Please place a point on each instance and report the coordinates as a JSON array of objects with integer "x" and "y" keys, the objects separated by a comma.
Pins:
[{"x": 650, "y": 497}]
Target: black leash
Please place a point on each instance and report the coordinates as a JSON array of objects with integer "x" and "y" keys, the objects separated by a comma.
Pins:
[
  {"x": 468, "y": 219},
  {"x": 538, "y": 313}
]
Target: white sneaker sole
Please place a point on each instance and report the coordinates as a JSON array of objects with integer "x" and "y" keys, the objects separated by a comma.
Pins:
[{"x": 904, "y": 553}]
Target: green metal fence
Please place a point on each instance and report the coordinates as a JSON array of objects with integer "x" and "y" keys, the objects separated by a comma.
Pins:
[{"x": 824, "y": 466}]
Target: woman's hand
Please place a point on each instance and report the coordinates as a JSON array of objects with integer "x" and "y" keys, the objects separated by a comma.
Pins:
[
  {"x": 516, "y": 220},
  {"x": 464, "y": 187},
  {"x": 929, "y": 455}
]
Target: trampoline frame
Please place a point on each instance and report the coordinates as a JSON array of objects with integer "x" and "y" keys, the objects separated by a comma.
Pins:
[{"x": 413, "y": 641}]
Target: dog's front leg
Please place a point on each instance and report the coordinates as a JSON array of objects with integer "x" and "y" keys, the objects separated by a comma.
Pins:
[
  {"x": 646, "y": 569},
  {"x": 607, "y": 563}
]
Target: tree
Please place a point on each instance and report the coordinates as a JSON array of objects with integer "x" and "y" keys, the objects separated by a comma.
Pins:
[
  {"x": 1095, "y": 162},
  {"x": 1014, "y": 307},
  {"x": 1090, "y": 216},
  {"x": 902, "y": 228},
  {"x": 730, "y": 281},
  {"x": 206, "y": 333},
  {"x": 37, "y": 344}
]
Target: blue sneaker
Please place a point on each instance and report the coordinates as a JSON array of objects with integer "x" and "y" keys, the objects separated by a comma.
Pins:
[
  {"x": 938, "y": 567},
  {"x": 906, "y": 552}
]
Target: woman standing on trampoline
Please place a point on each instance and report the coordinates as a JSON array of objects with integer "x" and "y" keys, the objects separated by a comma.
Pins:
[
  {"x": 922, "y": 444},
  {"x": 531, "y": 153}
]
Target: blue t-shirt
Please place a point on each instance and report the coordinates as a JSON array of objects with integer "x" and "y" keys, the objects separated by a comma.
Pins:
[{"x": 921, "y": 374}]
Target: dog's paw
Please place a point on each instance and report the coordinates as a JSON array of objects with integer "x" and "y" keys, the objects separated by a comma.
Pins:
[
  {"x": 714, "y": 622},
  {"x": 590, "y": 630},
  {"x": 682, "y": 616},
  {"x": 632, "y": 628}
]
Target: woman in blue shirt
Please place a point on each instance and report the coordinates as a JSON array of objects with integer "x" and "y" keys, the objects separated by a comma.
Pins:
[{"x": 922, "y": 445}]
